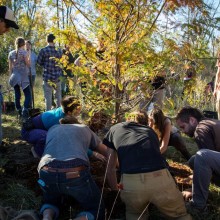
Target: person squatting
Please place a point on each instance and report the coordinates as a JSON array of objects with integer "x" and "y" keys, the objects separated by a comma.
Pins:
[{"x": 132, "y": 146}]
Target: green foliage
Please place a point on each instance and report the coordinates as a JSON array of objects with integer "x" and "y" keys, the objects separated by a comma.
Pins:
[
  {"x": 17, "y": 192},
  {"x": 122, "y": 45}
]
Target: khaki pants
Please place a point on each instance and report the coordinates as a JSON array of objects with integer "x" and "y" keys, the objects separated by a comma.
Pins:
[
  {"x": 156, "y": 187},
  {"x": 218, "y": 104}
]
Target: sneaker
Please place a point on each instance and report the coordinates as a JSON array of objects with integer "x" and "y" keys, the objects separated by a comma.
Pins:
[{"x": 197, "y": 213}]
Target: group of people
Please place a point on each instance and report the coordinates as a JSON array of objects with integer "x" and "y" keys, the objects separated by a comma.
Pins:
[
  {"x": 22, "y": 71},
  {"x": 136, "y": 147}
]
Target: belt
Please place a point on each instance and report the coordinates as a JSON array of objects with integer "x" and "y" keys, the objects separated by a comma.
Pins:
[{"x": 64, "y": 170}]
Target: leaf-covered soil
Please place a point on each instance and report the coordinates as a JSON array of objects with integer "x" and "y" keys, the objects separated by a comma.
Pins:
[{"x": 19, "y": 188}]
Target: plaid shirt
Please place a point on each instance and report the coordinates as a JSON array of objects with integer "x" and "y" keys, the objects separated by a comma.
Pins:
[{"x": 52, "y": 71}]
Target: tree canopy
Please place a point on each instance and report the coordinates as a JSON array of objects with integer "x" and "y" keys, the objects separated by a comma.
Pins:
[{"x": 122, "y": 44}]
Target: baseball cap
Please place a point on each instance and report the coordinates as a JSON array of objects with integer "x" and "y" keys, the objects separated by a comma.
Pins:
[{"x": 8, "y": 15}]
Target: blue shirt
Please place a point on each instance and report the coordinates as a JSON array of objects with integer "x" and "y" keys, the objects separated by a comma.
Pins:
[
  {"x": 33, "y": 63},
  {"x": 52, "y": 117},
  {"x": 46, "y": 59}
]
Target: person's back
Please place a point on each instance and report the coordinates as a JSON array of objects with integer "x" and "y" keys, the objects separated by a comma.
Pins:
[
  {"x": 207, "y": 134},
  {"x": 138, "y": 148},
  {"x": 68, "y": 141},
  {"x": 18, "y": 58},
  {"x": 52, "y": 117},
  {"x": 47, "y": 58},
  {"x": 64, "y": 170},
  {"x": 144, "y": 177}
]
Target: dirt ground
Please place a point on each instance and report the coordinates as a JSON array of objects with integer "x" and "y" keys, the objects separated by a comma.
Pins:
[{"x": 19, "y": 188}]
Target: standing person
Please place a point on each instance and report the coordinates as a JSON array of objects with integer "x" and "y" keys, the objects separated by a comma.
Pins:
[
  {"x": 168, "y": 134},
  {"x": 33, "y": 62},
  {"x": 216, "y": 92},
  {"x": 19, "y": 62},
  {"x": 31, "y": 69},
  {"x": 206, "y": 162},
  {"x": 64, "y": 170},
  {"x": 7, "y": 19},
  {"x": 145, "y": 178},
  {"x": 158, "y": 84},
  {"x": 52, "y": 72}
]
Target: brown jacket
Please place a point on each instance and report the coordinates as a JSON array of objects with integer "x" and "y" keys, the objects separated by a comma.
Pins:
[{"x": 207, "y": 134}]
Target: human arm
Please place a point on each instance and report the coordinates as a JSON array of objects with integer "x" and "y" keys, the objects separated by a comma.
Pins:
[
  {"x": 10, "y": 66},
  {"x": 112, "y": 159},
  {"x": 40, "y": 59},
  {"x": 166, "y": 136},
  {"x": 217, "y": 82},
  {"x": 96, "y": 155},
  {"x": 111, "y": 168}
]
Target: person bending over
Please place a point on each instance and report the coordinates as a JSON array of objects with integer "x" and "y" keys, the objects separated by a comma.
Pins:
[
  {"x": 168, "y": 134},
  {"x": 35, "y": 131},
  {"x": 144, "y": 177},
  {"x": 206, "y": 162},
  {"x": 64, "y": 170}
]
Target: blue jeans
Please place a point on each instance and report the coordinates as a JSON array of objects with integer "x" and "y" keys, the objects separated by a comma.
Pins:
[
  {"x": 83, "y": 189},
  {"x": 206, "y": 164},
  {"x": 27, "y": 95}
]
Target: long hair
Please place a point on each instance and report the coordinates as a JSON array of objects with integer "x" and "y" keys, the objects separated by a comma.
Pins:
[
  {"x": 19, "y": 42},
  {"x": 158, "y": 121},
  {"x": 70, "y": 103}
]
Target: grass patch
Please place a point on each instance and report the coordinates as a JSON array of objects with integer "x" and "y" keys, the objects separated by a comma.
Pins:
[{"x": 20, "y": 197}]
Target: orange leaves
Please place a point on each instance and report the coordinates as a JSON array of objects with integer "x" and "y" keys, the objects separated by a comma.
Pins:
[{"x": 175, "y": 4}]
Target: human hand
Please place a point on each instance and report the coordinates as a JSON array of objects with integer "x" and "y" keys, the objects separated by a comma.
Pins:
[
  {"x": 98, "y": 156},
  {"x": 214, "y": 94},
  {"x": 187, "y": 195}
]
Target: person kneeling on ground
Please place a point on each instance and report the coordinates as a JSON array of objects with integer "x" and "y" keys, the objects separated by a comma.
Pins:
[
  {"x": 35, "y": 131},
  {"x": 64, "y": 170},
  {"x": 205, "y": 163},
  {"x": 144, "y": 177}
]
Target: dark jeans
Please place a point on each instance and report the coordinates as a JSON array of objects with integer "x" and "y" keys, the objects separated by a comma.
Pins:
[
  {"x": 83, "y": 189},
  {"x": 177, "y": 141},
  {"x": 36, "y": 136},
  {"x": 27, "y": 99}
]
